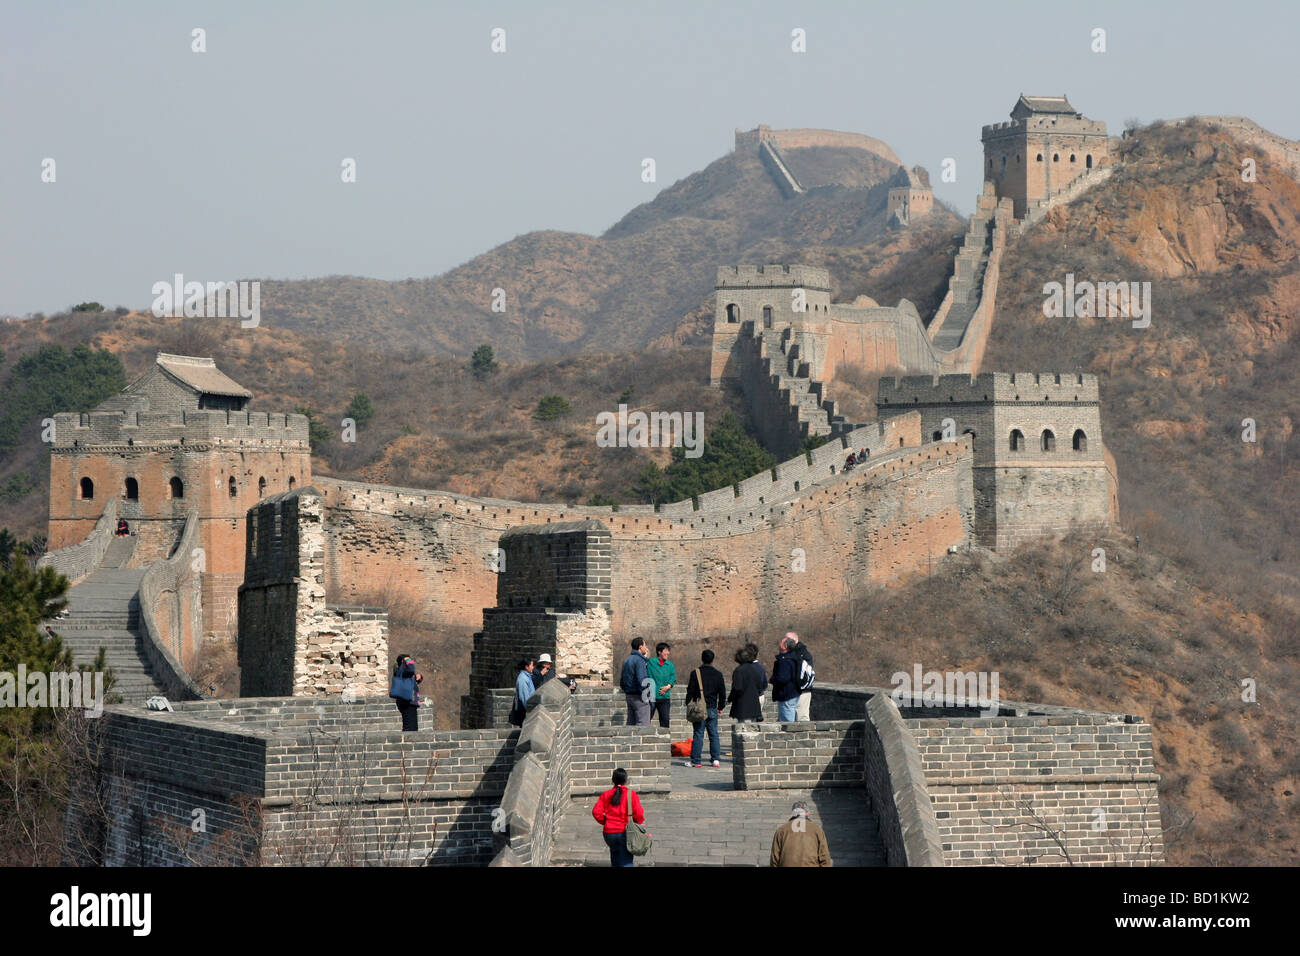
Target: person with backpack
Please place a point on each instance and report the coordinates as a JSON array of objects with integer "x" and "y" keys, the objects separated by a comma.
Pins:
[
  {"x": 807, "y": 676},
  {"x": 705, "y": 694},
  {"x": 634, "y": 682},
  {"x": 748, "y": 682},
  {"x": 524, "y": 688},
  {"x": 404, "y": 692},
  {"x": 785, "y": 683},
  {"x": 611, "y": 812}
]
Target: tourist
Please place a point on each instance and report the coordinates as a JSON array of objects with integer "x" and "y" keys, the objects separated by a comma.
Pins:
[
  {"x": 785, "y": 683},
  {"x": 708, "y": 684},
  {"x": 524, "y": 688},
  {"x": 635, "y": 681},
  {"x": 122, "y": 527},
  {"x": 806, "y": 675},
  {"x": 862, "y": 456},
  {"x": 611, "y": 812},
  {"x": 663, "y": 675},
  {"x": 403, "y": 691},
  {"x": 545, "y": 671},
  {"x": 748, "y": 681},
  {"x": 850, "y": 461},
  {"x": 799, "y": 841}
]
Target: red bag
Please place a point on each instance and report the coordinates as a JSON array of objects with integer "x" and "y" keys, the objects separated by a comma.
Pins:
[{"x": 682, "y": 748}]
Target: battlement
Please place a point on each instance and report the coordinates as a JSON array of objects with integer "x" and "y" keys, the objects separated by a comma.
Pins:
[
  {"x": 74, "y": 430},
  {"x": 1072, "y": 125},
  {"x": 773, "y": 276},
  {"x": 990, "y": 387}
]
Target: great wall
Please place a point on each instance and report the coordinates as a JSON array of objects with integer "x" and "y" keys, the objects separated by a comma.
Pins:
[{"x": 237, "y": 541}]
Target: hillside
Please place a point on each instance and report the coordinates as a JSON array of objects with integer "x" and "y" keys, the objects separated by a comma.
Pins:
[{"x": 567, "y": 293}]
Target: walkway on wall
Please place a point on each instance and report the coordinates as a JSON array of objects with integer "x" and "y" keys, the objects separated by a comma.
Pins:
[
  {"x": 104, "y": 611},
  {"x": 703, "y": 827}
]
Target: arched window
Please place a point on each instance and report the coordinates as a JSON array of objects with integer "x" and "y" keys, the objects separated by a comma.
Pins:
[
  {"x": 261, "y": 487},
  {"x": 767, "y": 316},
  {"x": 1039, "y": 158},
  {"x": 292, "y": 481},
  {"x": 177, "y": 487},
  {"x": 132, "y": 490},
  {"x": 1017, "y": 159},
  {"x": 1072, "y": 159},
  {"x": 733, "y": 313},
  {"x": 234, "y": 490},
  {"x": 1017, "y": 440},
  {"x": 1088, "y": 159},
  {"x": 1004, "y": 162},
  {"x": 1080, "y": 440},
  {"x": 1049, "y": 440},
  {"x": 1056, "y": 157},
  {"x": 87, "y": 489},
  {"x": 937, "y": 436}
]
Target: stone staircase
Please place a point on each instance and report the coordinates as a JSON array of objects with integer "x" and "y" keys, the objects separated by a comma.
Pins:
[
  {"x": 786, "y": 372},
  {"x": 104, "y": 611},
  {"x": 967, "y": 281}
]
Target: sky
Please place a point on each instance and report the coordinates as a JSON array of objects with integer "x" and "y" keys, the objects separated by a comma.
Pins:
[{"x": 228, "y": 163}]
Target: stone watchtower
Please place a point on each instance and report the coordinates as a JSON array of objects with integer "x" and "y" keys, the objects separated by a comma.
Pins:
[
  {"x": 768, "y": 297},
  {"x": 177, "y": 440},
  {"x": 1045, "y": 147},
  {"x": 1040, "y": 467}
]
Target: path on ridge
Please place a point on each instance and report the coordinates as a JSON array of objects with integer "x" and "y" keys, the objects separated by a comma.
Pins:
[{"x": 703, "y": 822}]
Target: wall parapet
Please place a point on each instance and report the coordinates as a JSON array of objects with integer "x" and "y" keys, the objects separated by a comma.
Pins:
[
  {"x": 896, "y": 785},
  {"x": 172, "y": 576},
  {"x": 77, "y": 560}
]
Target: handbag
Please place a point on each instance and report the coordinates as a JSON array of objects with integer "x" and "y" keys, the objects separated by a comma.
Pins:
[
  {"x": 638, "y": 839},
  {"x": 697, "y": 710}
]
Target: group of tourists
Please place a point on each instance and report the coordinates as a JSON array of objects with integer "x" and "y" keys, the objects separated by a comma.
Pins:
[
  {"x": 858, "y": 459},
  {"x": 647, "y": 684}
]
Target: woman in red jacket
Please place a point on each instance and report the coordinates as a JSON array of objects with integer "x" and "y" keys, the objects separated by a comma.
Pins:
[{"x": 611, "y": 812}]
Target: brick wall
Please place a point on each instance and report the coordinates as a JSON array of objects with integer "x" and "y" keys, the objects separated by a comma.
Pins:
[
  {"x": 642, "y": 751},
  {"x": 286, "y": 781},
  {"x": 290, "y": 641},
  {"x": 797, "y": 756},
  {"x": 1089, "y": 777}
]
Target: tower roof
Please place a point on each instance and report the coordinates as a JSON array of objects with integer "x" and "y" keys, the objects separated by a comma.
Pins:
[
  {"x": 201, "y": 374},
  {"x": 1041, "y": 104}
]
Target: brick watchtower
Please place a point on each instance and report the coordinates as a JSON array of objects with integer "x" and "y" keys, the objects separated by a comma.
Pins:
[
  {"x": 1040, "y": 467},
  {"x": 176, "y": 440},
  {"x": 1046, "y": 146}
]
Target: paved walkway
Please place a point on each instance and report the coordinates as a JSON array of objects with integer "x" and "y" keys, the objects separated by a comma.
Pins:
[{"x": 725, "y": 828}]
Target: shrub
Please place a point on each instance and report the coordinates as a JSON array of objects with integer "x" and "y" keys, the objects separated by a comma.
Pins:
[{"x": 551, "y": 407}]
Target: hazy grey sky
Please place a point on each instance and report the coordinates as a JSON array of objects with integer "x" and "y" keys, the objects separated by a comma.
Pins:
[{"x": 226, "y": 164}]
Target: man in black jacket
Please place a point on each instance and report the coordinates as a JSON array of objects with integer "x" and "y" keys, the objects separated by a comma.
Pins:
[
  {"x": 800, "y": 650},
  {"x": 714, "y": 693}
]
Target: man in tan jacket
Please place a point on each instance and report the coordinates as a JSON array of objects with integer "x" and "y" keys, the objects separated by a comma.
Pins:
[{"x": 799, "y": 841}]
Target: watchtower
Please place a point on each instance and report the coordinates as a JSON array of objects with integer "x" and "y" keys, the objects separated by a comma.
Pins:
[
  {"x": 176, "y": 440},
  {"x": 1039, "y": 467},
  {"x": 1046, "y": 146},
  {"x": 768, "y": 297}
]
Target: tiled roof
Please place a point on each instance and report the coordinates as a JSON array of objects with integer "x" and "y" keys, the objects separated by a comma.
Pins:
[{"x": 201, "y": 374}]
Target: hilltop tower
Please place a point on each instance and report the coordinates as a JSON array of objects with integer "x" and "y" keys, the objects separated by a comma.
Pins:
[
  {"x": 770, "y": 297},
  {"x": 1039, "y": 468},
  {"x": 176, "y": 441},
  {"x": 1044, "y": 148}
]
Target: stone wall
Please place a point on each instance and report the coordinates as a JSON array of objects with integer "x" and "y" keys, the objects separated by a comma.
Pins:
[
  {"x": 1089, "y": 778},
  {"x": 539, "y": 786},
  {"x": 679, "y": 571},
  {"x": 797, "y": 756},
  {"x": 896, "y": 787},
  {"x": 290, "y": 641},
  {"x": 77, "y": 560},
  {"x": 288, "y": 782},
  {"x": 643, "y": 752},
  {"x": 171, "y": 617}
]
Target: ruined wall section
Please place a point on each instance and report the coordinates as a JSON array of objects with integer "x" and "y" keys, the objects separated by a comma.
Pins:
[{"x": 291, "y": 642}]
